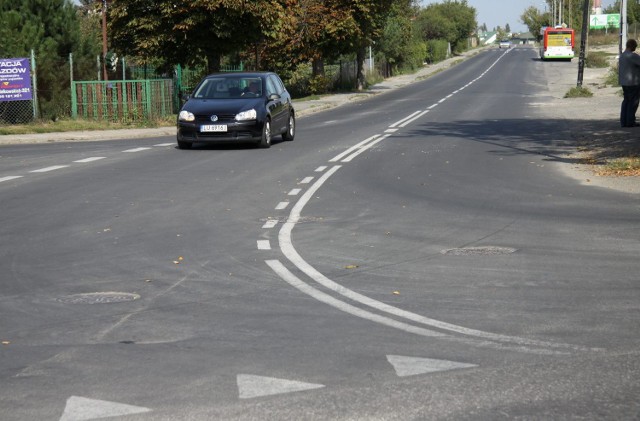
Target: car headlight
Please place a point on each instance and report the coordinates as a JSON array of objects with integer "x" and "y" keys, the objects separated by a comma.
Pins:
[
  {"x": 186, "y": 116},
  {"x": 247, "y": 115}
]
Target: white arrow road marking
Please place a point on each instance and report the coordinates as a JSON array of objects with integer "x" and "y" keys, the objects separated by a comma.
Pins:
[
  {"x": 79, "y": 409},
  {"x": 411, "y": 366},
  {"x": 250, "y": 386}
]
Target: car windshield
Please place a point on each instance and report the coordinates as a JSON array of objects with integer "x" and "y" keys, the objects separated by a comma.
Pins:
[{"x": 229, "y": 87}]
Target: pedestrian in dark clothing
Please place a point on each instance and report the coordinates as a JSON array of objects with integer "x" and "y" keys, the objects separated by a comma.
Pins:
[{"x": 629, "y": 78}]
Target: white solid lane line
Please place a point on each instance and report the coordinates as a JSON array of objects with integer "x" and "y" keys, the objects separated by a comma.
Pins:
[
  {"x": 354, "y": 148},
  {"x": 295, "y": 282}
]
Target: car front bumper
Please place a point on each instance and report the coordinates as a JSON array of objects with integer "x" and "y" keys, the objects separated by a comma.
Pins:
[{"x": 236, "y": 132}]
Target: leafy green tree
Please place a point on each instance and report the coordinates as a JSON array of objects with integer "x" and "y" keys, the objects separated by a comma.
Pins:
[
  {"x": 451, "y": 20},
  {"x": 370, "y": 17},
  {"x": 51, "y": 29},
  {"x": 319, "y": 31},
  {"x": 401, "y": 46},
  {"x": 633, "y": 10},
  {"x": 191, "y": 33},
  {"x": 534, "y": 20}
]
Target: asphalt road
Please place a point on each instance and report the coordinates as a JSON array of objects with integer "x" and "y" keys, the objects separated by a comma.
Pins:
[{"x": 414, "y": 256}]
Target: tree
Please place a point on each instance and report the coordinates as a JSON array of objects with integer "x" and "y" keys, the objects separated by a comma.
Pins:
[
  {"x": 191, "y": 33},
  {"x": 370, "y": 17},
  {"x": 51, "y": 29},
  {"x": 452, "y": 20},
  {"x": 400, "y": 44},
  {"x": 534, "y": 20},
  {"x": 321, "y": 28}
]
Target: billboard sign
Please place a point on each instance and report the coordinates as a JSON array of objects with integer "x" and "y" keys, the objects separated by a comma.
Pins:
[
  {"x": 15, "y": 79},
  {"x": 604, "y": 21}
]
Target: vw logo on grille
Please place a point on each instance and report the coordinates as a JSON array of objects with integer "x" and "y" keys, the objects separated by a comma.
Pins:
[{"x": 214, "y": 118}]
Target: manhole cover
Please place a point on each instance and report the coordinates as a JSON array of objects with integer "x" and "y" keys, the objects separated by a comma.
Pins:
[
  {"x": 99, "y": 298},
  {"x": 479, "y": 251}
]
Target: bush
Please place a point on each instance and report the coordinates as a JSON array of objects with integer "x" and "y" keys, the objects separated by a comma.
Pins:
[
  {"x": 597, "y": 59},
  {"x": 319, "y": 84},
  {"x": 437, "y": 50}
]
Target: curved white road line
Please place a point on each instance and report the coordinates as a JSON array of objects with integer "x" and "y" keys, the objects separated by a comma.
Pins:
[
  {"x": 294, "y": 281},
  {"x": 287, "y": 248}
]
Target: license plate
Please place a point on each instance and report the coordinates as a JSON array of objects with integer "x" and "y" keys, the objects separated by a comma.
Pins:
[{"x": 213, "y": 128}]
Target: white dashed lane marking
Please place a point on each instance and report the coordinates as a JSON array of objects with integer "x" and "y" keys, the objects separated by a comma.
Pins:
[
  {"x": 11, "y": 177},
  {"x": 82, "y": 161},
  {"x": 136, "y": 150},
  {"x": 47, "y": 169},
  {"x": 264, "y": 245},
  {"x": 92, "y": 159},
  {"x": 270, "y": 224}
]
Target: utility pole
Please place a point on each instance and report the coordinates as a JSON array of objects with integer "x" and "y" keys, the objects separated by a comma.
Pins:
[
  {"x": 623, "y": 25},
  {"x": 583, "y": 41},
  {"x": 104, "y": 39}
]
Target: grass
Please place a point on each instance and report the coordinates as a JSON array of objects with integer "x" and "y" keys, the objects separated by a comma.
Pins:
[
  {"x": 598, "y": 59},
  {"x": 578, "y": 92},
  {"x": 629, "y": 166},
  {"x": 69, "y": 125}
]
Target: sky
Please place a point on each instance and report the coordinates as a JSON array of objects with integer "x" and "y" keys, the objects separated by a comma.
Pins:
[{"x": 502, "y": 12}]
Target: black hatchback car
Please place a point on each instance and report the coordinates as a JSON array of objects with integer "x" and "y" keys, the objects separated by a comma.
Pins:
[{"x": 237, "y": 107}]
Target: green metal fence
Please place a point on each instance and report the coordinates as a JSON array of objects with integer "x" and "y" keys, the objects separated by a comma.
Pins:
[{"x": 123, "y": 101}]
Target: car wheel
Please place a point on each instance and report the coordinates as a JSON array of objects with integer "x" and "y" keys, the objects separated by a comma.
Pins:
[
  {"x": 290, "y": 133},
  {"x": 184, "y": 145},
  {"x": 265, "y": 141}
]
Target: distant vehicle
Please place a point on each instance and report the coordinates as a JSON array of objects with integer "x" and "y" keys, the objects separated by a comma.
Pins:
[
  {"x": 505, "y": 43},
  {"x": 235, "y": 108},
  {"x": 557, "y": 43}
]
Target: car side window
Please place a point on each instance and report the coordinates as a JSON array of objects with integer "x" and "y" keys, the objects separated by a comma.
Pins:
[
  {"x": 279, "y": 85},
  {"x": 271, "y": 88}
]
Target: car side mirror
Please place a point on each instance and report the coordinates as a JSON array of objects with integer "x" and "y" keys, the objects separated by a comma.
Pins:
[{"x": 274, "y": 97}]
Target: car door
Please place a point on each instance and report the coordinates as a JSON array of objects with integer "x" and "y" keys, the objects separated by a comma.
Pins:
[{"x": 277, "y": 106}]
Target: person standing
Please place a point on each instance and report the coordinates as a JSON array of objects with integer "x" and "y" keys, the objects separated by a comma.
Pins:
[{"x": 629, "y": 78}]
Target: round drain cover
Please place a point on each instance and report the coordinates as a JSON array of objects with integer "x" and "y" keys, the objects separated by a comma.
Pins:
[
  {"x": 99, "y": 298},
  {"x": 479, "y": 251}
]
